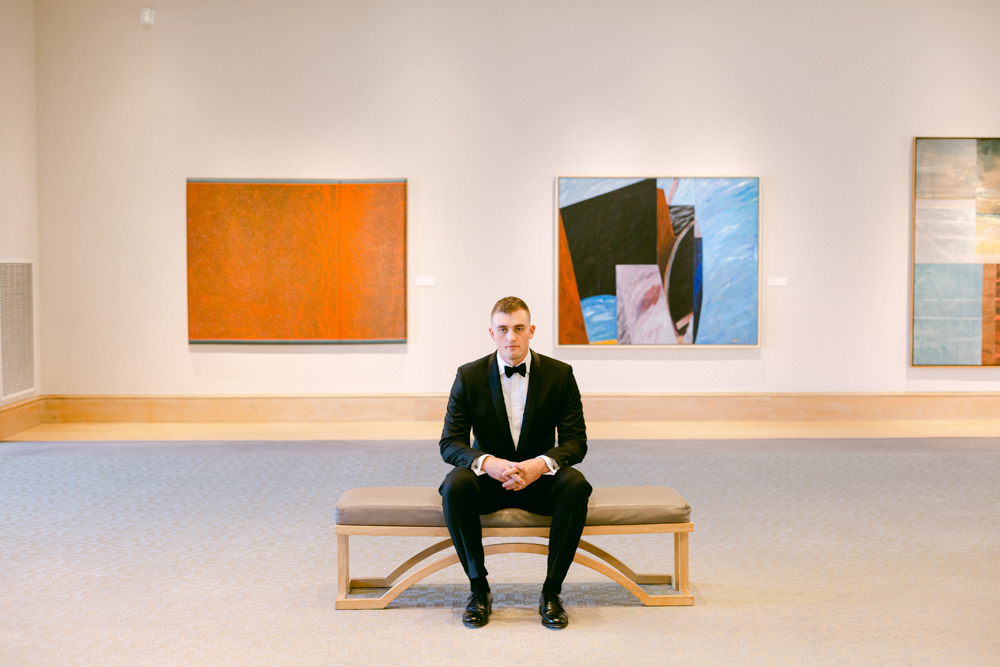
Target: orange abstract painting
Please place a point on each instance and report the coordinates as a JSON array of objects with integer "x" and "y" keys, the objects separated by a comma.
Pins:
[{"x": 296, "y": 262}]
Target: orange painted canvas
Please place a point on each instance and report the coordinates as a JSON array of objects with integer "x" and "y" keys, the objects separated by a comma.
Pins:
[{"x": 296, "y": 261}]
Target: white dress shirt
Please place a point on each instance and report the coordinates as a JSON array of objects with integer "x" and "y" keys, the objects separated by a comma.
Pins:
[{"x": 515, "y": 391}]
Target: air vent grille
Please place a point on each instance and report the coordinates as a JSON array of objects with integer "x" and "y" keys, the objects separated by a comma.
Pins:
[{"x": 17, "y": 338}]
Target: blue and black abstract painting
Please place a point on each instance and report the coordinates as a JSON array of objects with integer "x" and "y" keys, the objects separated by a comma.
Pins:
[{"x": 658, "y": 261}]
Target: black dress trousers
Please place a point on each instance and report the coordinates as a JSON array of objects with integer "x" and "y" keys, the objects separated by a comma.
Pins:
[{"x": 562, "y": 496}]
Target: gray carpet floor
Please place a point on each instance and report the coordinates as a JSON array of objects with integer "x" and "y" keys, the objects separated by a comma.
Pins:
[{"x": 812, "y": 552}]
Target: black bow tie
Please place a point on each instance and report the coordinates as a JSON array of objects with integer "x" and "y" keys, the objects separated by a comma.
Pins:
[{"x": 510, "y": 370}]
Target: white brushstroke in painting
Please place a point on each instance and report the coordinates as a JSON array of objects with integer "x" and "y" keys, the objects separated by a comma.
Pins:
[
  {"x": 642, "y": 306},
  {"x": 946, "y": 231}
]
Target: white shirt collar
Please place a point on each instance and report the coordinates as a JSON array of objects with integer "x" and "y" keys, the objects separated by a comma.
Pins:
[{"x": 526, "y": 362}]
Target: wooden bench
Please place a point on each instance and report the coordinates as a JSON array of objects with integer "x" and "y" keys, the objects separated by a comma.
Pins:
[{"x": 401, "y": 511}]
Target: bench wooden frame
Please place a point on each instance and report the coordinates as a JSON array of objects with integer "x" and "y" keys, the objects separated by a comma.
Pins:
[{"x": 611, "y": 567}]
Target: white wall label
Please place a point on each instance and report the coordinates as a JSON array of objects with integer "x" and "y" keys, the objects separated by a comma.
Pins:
[
  {"x": 425, "y": 281},
  {"x": 777, "y": 280}
]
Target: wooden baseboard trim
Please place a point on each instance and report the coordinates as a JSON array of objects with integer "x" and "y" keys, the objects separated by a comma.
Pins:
[
  {"x": 229, "y": 409},
  {"x": 430, "y": 408},
  {"x": 823, "y": 407},
  {"x": 603, "y": 407},
  {"x": 21, "y": 416}
]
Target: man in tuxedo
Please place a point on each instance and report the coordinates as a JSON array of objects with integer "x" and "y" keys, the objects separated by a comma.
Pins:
[{"x": 514, "y": 401}]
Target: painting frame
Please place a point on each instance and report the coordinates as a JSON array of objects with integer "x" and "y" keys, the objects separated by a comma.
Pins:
[
  {"x": 962, "y": 203},
  {"x": 322, "y": 261},
  {"x": 753, "y": 278}
]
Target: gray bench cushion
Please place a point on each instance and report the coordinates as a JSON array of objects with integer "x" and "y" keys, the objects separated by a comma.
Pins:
[{"x": 421, "y": 506}]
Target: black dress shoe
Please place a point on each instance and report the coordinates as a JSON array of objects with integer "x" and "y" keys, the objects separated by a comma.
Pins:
[
  {"x": 551, "y": 609},
  {"x": 477, "y": 609}
]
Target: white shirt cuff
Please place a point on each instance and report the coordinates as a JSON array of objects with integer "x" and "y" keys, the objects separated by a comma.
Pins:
[
  {"x": 550, "y": 462},
  {"x": 477, "y": 465}
]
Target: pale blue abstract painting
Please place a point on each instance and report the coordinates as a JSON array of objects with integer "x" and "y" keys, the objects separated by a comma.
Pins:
[{"x": 947, "y": 314}]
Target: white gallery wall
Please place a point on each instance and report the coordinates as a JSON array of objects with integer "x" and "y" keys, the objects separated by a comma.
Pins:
[
  {"x": 18, "y": 144},
  {"x": 480, "y": 105}
]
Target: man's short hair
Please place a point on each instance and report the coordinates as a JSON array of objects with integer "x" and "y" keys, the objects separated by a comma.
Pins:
[{"x": 510, "y": 304}]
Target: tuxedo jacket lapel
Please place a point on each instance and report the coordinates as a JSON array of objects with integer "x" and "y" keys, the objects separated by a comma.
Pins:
[
  {"x": 537, "y": 376},
  {"x": 498, "y": 405}
]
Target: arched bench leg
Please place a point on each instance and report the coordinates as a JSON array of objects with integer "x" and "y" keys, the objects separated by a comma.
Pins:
[
  {"x": 685, "y": 598},
  {"x": 624, "y": 569},
  {"x": 385, "y": 582}
]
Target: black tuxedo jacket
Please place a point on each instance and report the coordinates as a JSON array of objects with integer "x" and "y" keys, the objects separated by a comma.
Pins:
[{"x": 552, "y": 405}]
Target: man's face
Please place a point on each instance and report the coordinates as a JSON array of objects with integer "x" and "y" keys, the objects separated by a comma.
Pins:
[{"x": 511, "y": 332}]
